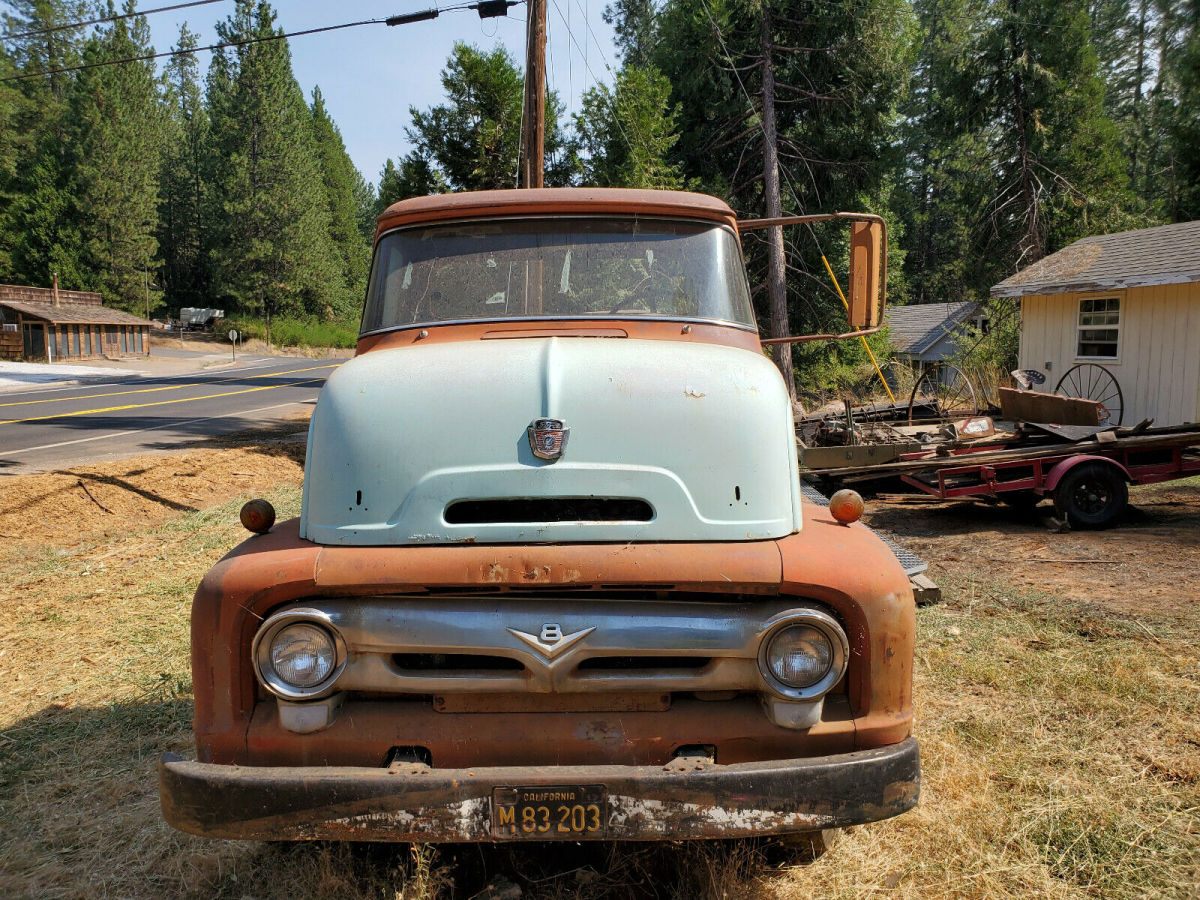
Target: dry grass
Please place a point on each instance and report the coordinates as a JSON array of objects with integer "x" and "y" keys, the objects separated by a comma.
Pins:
[{"x": 1061, "y": 747}]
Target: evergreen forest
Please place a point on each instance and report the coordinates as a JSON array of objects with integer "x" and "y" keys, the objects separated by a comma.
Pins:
[{"x": 989, "y": 133}]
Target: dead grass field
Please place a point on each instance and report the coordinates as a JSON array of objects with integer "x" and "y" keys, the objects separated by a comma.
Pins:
[{"x": 1060, "y": 729}]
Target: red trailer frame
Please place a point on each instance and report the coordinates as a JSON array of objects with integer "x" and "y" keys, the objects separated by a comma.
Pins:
[{"x": 1042, "y": 471}]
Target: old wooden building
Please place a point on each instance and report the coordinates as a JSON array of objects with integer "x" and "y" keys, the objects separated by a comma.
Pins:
[
  {"x": 48, "y": 325},
  {"x": 1124, "y": 307}
]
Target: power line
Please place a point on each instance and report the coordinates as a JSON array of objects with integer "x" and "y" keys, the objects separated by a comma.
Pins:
[
  {"x": 211, "y": 47},
  {"x": 612, "y": 98},
  {"x": 144, "y": 12}
]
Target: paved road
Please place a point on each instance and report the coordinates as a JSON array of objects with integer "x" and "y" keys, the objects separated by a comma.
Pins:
[{"x": 46, "y": 428}]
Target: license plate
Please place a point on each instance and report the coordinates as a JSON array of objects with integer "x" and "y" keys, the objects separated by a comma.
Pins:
[{"x": 562, "y": 812}]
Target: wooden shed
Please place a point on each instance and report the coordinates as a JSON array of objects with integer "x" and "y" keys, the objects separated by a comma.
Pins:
[
  {"x": 1125, "y": 304},
  {"x": 48, "y": 325}
]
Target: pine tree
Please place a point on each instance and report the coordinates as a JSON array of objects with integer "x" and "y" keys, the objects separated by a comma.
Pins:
[
  {"x": 116, "y": 141},
  {"x": 838, "y": 70},
  {"x": 37, "y": 230},
  {"x": 414, "y": 177},
  {"x": 1040, "y": 107},
  {"x": 946, "y": 167},
  {"x": 183, "y": 233},
  {"x": 1185, "y": 122},
  {"x": 10, "y": 99},
  {"x": 1011, "y": 153},
  {"x": 271, "y": 252},
  {"x": 635, "y": 23},
  {"x": 342, "y": 194},
  {"x": 472, "y": 140},
  {"x": 627, "y": 133},
  {"x": 365, "y": 199}
]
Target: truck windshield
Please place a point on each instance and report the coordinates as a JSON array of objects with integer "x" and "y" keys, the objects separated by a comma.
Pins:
[{"x": 557, "y": 268}]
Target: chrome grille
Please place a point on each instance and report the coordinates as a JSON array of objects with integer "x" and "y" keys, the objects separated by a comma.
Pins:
[{"x": 574, "y": 643}]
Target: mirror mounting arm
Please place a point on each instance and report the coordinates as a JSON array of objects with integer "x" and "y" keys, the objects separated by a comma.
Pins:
[
  {"x": 805, "y": 338},
  {"x": 872, "y": 221}
]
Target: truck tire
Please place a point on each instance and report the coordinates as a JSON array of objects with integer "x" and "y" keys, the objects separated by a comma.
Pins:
[{"x": 1091, "y": 495}]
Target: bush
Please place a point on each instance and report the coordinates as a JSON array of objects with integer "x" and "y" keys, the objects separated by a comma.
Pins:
[{"x": 299, "y": 332}]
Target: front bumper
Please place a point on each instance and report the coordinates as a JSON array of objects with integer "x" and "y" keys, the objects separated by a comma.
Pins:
[{"x": 417, "y": 803}]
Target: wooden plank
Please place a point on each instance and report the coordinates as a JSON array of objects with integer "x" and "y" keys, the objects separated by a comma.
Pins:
[
  {"x": 1168, "y": 437},
  {"x": 925, "y": 591},
  {"x": 1033, "y": 406}
]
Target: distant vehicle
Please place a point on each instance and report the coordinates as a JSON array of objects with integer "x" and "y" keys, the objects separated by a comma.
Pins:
[{"x": 194, "y": 318}]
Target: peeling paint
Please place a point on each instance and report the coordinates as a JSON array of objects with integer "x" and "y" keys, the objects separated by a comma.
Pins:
[
  {"x": 666, "y": 817},
  {"x": 468, "y": 818},
  {"x": 495, "y": 574}
]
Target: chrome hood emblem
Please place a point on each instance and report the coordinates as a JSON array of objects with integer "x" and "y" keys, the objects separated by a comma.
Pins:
[
  {"x": 551, "y": 641},
  {"x": 548, "y": 437}
]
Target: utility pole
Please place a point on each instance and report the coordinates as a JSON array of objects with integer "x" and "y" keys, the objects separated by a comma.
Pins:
[
  {"x": 776, "y": 270},
  {"x": 533, "y": 119}
]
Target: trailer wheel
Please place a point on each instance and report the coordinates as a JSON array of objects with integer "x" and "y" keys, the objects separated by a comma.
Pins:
[{"x": 1091, "y": 495}]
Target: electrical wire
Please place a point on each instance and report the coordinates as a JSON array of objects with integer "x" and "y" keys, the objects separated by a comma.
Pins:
[
  {"x": 612, "y": 97},
  {"x": 144, "y": 12},
  {"x": 210, "y": 47}
]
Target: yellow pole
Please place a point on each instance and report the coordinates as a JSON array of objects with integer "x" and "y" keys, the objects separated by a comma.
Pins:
[{"x": 862, "y": 338}]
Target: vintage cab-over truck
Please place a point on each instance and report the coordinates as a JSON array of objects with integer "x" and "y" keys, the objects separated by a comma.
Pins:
[{"x": 553, "y": 576}]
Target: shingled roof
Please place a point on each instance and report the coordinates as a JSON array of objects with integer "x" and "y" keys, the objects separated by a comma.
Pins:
[
  {"x": 915, "y": 329},
  {"x": 72, "y": 313},
  {"x": 1167, "y": 254}
]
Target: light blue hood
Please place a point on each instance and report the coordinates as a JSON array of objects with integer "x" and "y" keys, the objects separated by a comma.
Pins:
[{"x": 701, "y": 432}]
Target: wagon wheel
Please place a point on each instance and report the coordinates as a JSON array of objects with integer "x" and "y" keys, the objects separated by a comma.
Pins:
[
  {"x": 945, "y": 391},
  {"x": 1089, "y": 381}
]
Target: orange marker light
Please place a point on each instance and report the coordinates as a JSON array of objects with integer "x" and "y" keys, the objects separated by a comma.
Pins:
[
  {"x": 846, "y": 506},
  {"x": 258, "y": 516}
]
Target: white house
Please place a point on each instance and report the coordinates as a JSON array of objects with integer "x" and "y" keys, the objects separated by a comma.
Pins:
[{"x": 1125, "y": 305}]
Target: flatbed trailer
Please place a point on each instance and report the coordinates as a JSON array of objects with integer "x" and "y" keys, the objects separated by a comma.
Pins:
[{"x": 1088, "y": 480}]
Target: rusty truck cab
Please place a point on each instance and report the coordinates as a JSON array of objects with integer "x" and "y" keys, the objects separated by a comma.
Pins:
[{"x": 554, "y": 577}]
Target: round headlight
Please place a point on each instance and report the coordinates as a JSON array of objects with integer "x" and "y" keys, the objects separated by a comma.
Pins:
[
  {"x": 800, "y": 655},
  {"x": 303, "y": 655}
]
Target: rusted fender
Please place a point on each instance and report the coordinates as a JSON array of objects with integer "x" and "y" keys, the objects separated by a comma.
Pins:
[
  {"x": 416, "y": 803},
  {"x": 1062, "y": 468}
]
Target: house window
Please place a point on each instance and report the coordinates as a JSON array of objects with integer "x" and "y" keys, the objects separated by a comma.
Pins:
[{"x": 1099, "y": 327}]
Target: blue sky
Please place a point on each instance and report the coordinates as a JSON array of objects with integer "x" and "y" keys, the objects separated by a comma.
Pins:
[{"x": 370, "y": 76}]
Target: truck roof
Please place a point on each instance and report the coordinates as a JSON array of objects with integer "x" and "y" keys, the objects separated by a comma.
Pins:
[{"x": 557, "y": 201}]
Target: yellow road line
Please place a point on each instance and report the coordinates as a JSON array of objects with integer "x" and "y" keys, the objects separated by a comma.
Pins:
[
  {"x": 172, "y": 387},
  {"x": 88, "y": 412}
]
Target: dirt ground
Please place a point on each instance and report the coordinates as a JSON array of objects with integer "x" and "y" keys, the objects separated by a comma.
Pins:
[
  {"x": 103, "y": 499},
  {"x": 1057, "y": 692},
  {"x": 1149, "y": 563}
]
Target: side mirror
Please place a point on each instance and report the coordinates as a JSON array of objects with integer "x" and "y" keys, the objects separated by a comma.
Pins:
[
  {"x": 864, "y": 308},
  {"x": 868, "y": 263}
]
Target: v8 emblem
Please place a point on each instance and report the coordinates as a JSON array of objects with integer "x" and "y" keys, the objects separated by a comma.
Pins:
[{"x": 551, "y": 641}]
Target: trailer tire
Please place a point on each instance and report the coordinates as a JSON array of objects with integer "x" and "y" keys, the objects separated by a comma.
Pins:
[{"x": 1091, "y": 495}]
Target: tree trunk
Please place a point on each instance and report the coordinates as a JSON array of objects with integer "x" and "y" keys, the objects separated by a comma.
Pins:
[
  {"x": 776, "y": 271},
  {"x": 1030, "y": 245}
]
